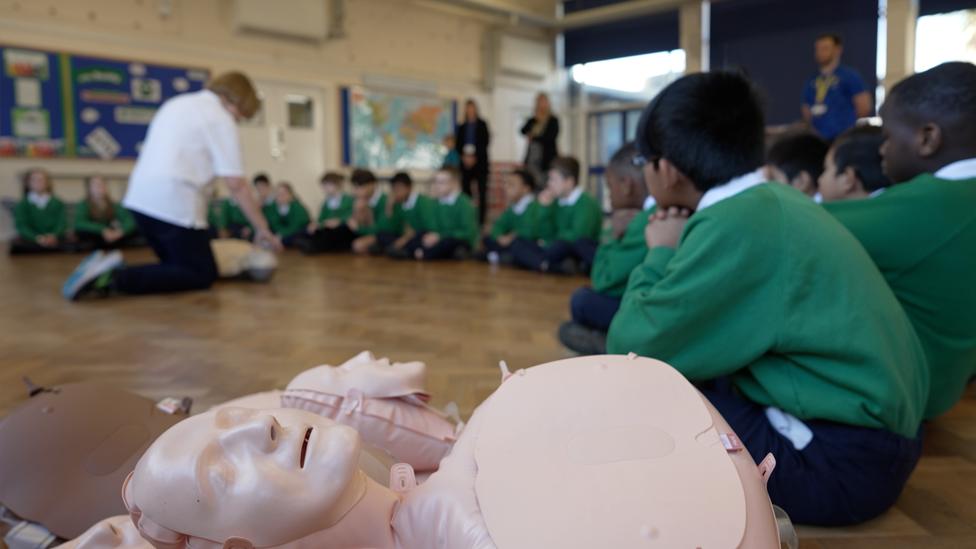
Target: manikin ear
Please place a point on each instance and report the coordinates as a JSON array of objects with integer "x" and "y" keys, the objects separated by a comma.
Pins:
[{"x": 929, "y": 138}]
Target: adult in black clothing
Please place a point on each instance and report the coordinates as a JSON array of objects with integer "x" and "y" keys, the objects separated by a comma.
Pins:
[
  {"x": 471, "y": 138},
  {"x": 541, "y": 130}
]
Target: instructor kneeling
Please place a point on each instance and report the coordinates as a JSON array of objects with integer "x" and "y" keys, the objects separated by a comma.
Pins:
[{"x": 192, "y": 139}]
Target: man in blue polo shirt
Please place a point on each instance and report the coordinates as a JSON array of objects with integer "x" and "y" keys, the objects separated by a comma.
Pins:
[{"x": 836, "y": 97}]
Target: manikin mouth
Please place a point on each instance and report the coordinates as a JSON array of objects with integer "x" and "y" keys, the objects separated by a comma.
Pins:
[{"x": 301, "y": 459}]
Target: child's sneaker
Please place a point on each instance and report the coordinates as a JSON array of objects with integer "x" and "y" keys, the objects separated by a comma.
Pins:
[
  {"x": 582, "y": 339},
  {"x": 94, "y": 274}
]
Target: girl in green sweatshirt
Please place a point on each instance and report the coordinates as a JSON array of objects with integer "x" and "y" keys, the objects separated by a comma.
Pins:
[
  {"x": 288, "y": 218},
  {"x": 101, "y": 222},
  {"x": 39, "y": 217}
]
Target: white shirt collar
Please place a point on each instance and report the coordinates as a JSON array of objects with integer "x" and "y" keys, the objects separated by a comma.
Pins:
[
  {"x": 817, "y": 197},
  {"x": 375, "y": 199},
  {"x": 522, "y": 204},
  {"x": 335, "y": 202},
  {"x": 572, "y": 198},
  {"x": 877, "y": 192},
  {"x": 730, "y": 189},
  {"x": 39, "y": 200},
  {"x": 962, "y": 169},
  {"x": 283, "y": 209},
  {"x": 411, "y": 201},
  {"x": 649, "y": 203},
  {"x": 450, "y": 199}
]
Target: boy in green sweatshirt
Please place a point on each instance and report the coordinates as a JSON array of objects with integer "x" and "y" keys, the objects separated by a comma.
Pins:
[
  {"x": 592, "y": 307},
  {"x": 921, "y": 232},
  {"x": 289, "y": 218},
  {"x": 232, "y": 223},
  {"x": 100, "y": 222},
  {"x": 330, "y": 232},
  {"x": 797, "y": 159},
  {"x": 39, "y": 217},
  {"x": 375, "y": 219},
  {"x": 570, "y": 228},
  {"x": 852, "y": 167},
  {"x": 417, "y": 211},
  {"x": 266, "y": 195},
  {"x": 773, "y": 308},
  {"x": 521, "y": 219},
  {"x": 454, "y": 230}
]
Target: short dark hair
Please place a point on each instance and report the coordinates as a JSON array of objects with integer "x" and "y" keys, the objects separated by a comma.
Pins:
[
  {"x": 832, "y": 36},
  {"x": 567, "y": 166},
  {"x": 945, "y": 95},
  {"x": 451, "y": 171},
  {"x": 401, "y": 178},
  {"x": 361, "y": 176},
  {"x": 261, "y": 178},
  {"x": 709, "y": 125},
  {"x": 622, "y": 162},
  {"x": 859, "y": 148},
  {"x": 799, "y": 152},
  {"x": 527, "y": 178},
  {"x": 335, "y": 178}
]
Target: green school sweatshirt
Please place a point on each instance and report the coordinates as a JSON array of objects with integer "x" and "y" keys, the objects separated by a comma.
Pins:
[
  {"x": 615, "y": 260},
  {"x": 384, "y": 222},
  {"x": 767, "y": 288},
  {"x": 342, "y": 213},
  {"x": 231, "y": 214},
  {"x": 294, "y": 222},
  {"x": 85, "y": 224},
  {"x": 31, "y": 221},
  {"x": 420, "y": 217},
  {"x": 525, "y": 225},
  {"x": 458, "y": 220},
  {"x": 922, "y": 236},
  {"x": 571, "y": 223}
]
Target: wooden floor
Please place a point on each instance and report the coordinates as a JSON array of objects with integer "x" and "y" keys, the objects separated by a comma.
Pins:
[{"x": 460, "y": 319}]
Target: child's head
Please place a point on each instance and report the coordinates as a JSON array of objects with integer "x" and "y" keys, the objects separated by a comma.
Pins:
[
  {"x": 363, "y": 183},
  {"x": 929, "y": 121},
  {"x": 852, "y": 168},
  {"x": 37, "y": 181},
  {"x": 447, "y": 181},
  {"x": 625, "y": 180},
  {"x": 284, "y": 194},
  {"x": 262, "y": 184},
  {"x": 700, "y": 132},
  {"x": 518, "y": 184},
  {"x": 401, "y": 185},
  {"x": 331, "y": 184},
  {"x": 563, "y": 174},
  {"x": 96, "y": 188},
  {"x": 470, "y": 110},
  {"x": 449, "y": 141},
  {"x": 797, "y": 159}
]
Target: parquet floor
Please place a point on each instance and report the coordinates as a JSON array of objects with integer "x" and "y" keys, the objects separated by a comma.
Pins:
[{"x": 460, "y": 319}]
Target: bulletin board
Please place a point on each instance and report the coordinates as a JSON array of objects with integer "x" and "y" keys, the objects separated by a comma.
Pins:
[{"x": 60, "y": 105}]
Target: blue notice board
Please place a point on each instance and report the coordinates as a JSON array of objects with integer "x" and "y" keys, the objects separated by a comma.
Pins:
[{"x": 73, "y": 106}]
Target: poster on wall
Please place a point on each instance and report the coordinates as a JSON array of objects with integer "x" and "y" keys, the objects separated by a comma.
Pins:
[
  {"x": 384, "y": 130},
  {"x": 63, "y": 105}
]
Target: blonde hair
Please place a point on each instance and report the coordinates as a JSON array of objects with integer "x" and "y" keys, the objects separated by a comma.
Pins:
[{"x": 238, "y": 90}]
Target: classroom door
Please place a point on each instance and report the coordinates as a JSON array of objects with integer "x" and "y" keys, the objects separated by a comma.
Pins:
[{"x": 285, "y": 139}]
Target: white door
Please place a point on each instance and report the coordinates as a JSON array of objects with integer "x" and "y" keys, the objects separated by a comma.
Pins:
[{"x": 286, "y": 138}]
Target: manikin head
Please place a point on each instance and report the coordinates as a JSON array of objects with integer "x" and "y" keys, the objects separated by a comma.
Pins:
[
  {"x": 237, "y": 477},
  {"x": 374, "y": 377}
]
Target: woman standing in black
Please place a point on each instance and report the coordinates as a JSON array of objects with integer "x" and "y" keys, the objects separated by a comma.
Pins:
[
  {"x": 541, "y": 130},
  {"x": 471, "y": 140}
]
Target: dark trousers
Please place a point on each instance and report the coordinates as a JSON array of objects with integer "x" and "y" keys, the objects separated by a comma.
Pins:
[
  {"x": 242, "y": 231},
  {"x": 446, "y": 248},
  {"x": 95, "y": 241},
  {"x": 530, "y": 255},
  {"x": 186, "y": 261},
  {"x": 845, "y": 475},
  {"x": 593, "y": 309},
  {"x": 21, "y": 246},
  {"x": 338, "y": 239},
  {"x": 476, "y": 176}
]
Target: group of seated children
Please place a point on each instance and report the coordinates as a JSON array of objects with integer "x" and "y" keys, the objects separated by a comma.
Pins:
[
  {"x": 44, "y": 224},
  {"x": 823, "y": 333}
]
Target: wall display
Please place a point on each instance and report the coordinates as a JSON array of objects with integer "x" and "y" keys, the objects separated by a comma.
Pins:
[{"x": 73, "y": 106}]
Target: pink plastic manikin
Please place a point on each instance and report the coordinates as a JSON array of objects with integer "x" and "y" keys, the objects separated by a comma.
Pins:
[
  {"x": 112, "y": 533},
  {"x": 240, "y": 259},
  {"x": 607, "y": 451},
  {"x": 386, "y": 403}
]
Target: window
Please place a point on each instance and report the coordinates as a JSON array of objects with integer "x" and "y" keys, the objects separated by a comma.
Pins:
[
  {"x": 945, "y": 37},
  {"x": 300, "y": 112}
]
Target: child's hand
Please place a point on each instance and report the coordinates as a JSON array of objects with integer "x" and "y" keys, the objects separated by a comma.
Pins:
[
  {"x": 431, "y": 239},
  {"x": 619, "y": 220},
  {"x": 506, "y": 239},
  {"x": 47, "y": 240},
  {"x": 312, "y": 227},
  {"x": 331, "y": 223},
  {"x": 665, "y": 227},
  {"x": 545, "y": 197}
]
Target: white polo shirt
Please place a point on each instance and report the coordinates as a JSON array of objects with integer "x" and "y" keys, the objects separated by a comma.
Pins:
[{"x": 191, "y": 140}]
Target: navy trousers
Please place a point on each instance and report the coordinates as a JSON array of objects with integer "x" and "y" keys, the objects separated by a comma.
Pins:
[
  {"x": 530, "y": 255},
  {"x": 845, "y": 475},
  {"x": 444, "y": 249},
  {"x": 186, "y": 261},
  {"x": 593, "y": 309}
]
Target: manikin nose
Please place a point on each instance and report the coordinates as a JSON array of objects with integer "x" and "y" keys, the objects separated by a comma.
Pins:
[{"x": 261, "y": 433}]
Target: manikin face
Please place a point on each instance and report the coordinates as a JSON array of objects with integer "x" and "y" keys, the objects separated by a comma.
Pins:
[
  {"x": 98, "y": 188},
  {"x": 443, "y": 185},
  {"x": 514, "y": 189},
  {"x": 560, "y": 185},
  {"x": 111, "y": 533},
  {"x": 269, "y": 476},
  {"x": 374, "y": 377}
]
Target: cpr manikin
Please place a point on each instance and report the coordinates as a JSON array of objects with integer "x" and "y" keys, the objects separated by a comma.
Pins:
[
  {"x": 598, "y": 451},
  {"x": 385, "y": 402},
  {"x": 237, "y": 258}
]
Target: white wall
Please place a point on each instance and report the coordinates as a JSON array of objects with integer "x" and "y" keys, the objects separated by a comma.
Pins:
[{"x": 387, "y": 38}]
